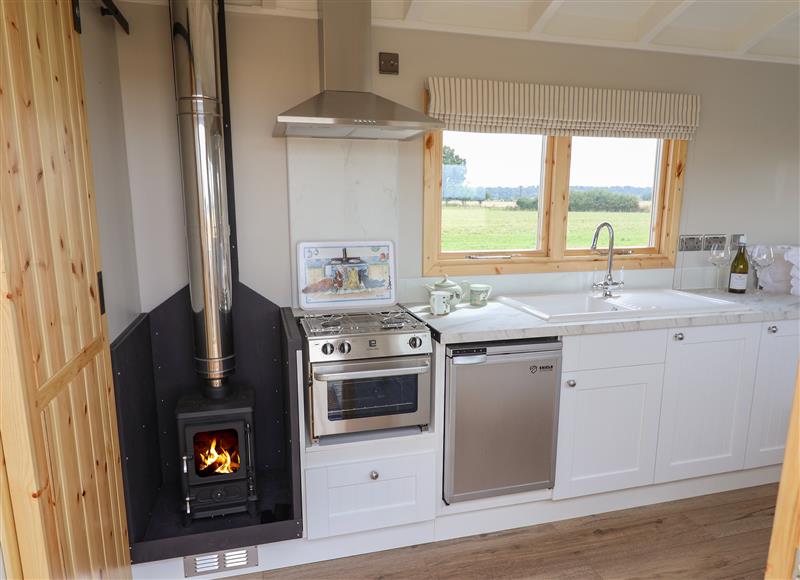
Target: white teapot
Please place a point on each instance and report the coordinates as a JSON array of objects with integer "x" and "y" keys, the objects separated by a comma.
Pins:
[{"x": 455, "y": 289}]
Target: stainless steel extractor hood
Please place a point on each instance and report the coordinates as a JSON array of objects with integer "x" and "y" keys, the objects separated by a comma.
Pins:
[{"x": 346, "y": 108}]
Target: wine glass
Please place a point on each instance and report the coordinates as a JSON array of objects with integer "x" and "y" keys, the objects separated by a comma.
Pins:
[
  {"x": 720, "y": 255},
  {"x": 762, "y": 257}
]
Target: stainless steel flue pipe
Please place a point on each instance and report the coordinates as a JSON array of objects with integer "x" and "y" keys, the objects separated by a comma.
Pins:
[{"x": 195, "y": 54}]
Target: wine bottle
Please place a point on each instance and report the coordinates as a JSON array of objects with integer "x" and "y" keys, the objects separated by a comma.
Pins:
[{"x": 737, "y": 283}]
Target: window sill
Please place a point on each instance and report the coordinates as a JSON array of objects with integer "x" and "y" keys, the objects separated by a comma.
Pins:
[{"x": 529, "y": 265}]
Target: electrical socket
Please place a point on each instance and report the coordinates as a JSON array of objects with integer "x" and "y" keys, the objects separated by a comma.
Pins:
[
  {"x": 711, "y": 239},
  {"x": 735, "y": 241},
  {"x": 692, "y": 243}
]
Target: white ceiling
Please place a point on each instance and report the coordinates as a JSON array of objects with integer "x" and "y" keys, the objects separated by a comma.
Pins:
[{"x": 767, "y": 30}]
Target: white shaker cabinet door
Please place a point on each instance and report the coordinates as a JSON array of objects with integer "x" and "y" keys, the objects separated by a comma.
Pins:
[
  {"x": 708, "y": 390},
  {"x": 608, "y": 429},
  {"x": 772, "y": 400}
]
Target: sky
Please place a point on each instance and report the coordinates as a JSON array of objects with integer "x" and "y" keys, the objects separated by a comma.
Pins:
[{"x": 514, "y": 160}]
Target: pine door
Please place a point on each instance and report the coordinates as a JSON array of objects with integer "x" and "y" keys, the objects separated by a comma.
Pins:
[{"x": 63, "y": 510}]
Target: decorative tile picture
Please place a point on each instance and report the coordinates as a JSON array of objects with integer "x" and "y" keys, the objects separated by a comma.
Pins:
[{"x": 345, "y": 274}]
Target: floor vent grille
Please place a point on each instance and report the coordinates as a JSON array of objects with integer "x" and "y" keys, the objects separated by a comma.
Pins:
[{"x": 220, "y": 561}]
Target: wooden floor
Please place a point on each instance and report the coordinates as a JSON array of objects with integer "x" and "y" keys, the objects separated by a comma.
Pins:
[{"x": 724, "y": 535}]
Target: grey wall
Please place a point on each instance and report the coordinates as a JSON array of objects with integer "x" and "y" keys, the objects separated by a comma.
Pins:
[
  {"x": 151, "y": 137},
  {"x": 742, "y": 173},
  {"x": 272, "y": 65},
  {"x": 742, "y": 169},
  {"x": 110, "y": 168}
]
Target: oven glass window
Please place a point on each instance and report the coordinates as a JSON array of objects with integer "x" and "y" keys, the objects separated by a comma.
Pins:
[{"x": 376, "y": 397}]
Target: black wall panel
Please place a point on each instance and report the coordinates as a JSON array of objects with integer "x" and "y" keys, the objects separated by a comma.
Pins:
[
  {"x": 153, "y": 366},
  {"x": 132, "y": 365}
]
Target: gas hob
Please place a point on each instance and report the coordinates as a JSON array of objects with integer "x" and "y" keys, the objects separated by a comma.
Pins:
[
  {"x": 354, "y": 323},
  {"x": 358, "y": 335}
]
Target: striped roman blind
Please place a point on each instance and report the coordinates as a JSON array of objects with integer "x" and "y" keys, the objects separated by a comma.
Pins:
[{"x": 507, "y": 107}]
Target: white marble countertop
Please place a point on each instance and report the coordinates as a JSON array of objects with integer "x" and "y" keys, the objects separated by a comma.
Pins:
[{"x": 498, "y": 321}]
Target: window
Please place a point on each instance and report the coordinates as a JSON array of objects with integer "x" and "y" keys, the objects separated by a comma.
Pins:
[
  {"x": 513, "y": 203},
  {"x": 613, "y": 180},
  {"x": 490, "y": 187}
]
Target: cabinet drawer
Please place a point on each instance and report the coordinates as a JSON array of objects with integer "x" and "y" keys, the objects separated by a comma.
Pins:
[
  {"x": 367, "y": 495},
  {"x": 619, "y": 349}
]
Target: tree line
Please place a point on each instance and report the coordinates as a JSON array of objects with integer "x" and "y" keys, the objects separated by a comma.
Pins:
[
  {"x": 590, "y": 200},
  {"x": 623, "y": 198}
]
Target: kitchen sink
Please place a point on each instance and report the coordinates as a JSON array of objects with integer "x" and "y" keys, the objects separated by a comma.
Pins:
[
  {"x": 565, "y": 307},
  {"x": 674, "y": 301},
  {"x": 633, "y": 304}
]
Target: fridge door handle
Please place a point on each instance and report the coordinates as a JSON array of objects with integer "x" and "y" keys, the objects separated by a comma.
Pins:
[{"x": 469, "y": 360}]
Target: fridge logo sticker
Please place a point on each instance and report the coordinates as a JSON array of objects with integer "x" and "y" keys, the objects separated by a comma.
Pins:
[{"x": 543, "y": 368}]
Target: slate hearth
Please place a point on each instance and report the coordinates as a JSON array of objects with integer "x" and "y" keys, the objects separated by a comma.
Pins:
[{"x": 153, "y": 370}]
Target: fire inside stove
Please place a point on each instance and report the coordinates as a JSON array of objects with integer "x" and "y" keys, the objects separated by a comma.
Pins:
[{"x": 216, "y": 452}]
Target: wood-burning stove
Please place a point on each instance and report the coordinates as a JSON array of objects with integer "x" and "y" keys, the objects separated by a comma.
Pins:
[{"x": 216, "y": 454}]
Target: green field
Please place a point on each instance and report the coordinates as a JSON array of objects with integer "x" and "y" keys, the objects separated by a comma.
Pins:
[{"x": 491, "y": 228}]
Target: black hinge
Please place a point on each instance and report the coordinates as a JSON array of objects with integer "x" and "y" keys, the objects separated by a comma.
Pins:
[
  {"x": 76, "y": 16},
  {"x": 101, "y": 293},
  {"x": 110, "y": 9}
]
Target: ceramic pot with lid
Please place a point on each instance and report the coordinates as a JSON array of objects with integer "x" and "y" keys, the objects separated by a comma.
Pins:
[{"x": 455, "y": 289}]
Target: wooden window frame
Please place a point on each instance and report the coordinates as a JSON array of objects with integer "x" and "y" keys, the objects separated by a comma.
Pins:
[{"x": 553, "y": 255}]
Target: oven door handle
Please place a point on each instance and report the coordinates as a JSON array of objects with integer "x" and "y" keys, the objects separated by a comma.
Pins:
[{"x": 373, "y": 373}]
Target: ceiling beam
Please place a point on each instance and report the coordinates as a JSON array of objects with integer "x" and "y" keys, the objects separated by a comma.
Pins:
[
  {"x": 541, "y": 12},
  {"x": 760, "y": 26},
  {"x": 658, "y": 17}
]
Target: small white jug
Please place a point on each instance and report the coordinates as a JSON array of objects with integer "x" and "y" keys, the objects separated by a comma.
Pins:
[{"x": 440, "y": 302}]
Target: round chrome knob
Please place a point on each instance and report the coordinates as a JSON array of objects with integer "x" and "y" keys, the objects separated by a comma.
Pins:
[
  {"x": 772, "y": 329},
  {"x": 373, "y": 475},
  {"x": 415, "y": 342},
  {"x": 328, "y": 348},
  {"x": 678, "y": 336},
  {"x": 571, "y": 383},
  {"x": 345, "y": 347}
]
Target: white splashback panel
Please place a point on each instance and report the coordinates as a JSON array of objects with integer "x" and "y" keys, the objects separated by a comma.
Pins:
[{"x": 341, "y": 190}]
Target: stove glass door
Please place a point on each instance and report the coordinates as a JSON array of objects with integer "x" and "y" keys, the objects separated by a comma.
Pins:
[{"x": 360, "y": 396}]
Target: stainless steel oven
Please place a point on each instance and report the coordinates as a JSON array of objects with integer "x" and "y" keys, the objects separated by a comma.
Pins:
[
  {"x": 347, "y": 397},
  {"x": 366, "y": 371}
]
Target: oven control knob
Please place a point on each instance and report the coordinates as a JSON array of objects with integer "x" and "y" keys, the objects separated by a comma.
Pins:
[
  {"x": 328, "y": 348},
  {"x": 415, "y": 342},
  {"x": 345, "y": 347}
]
